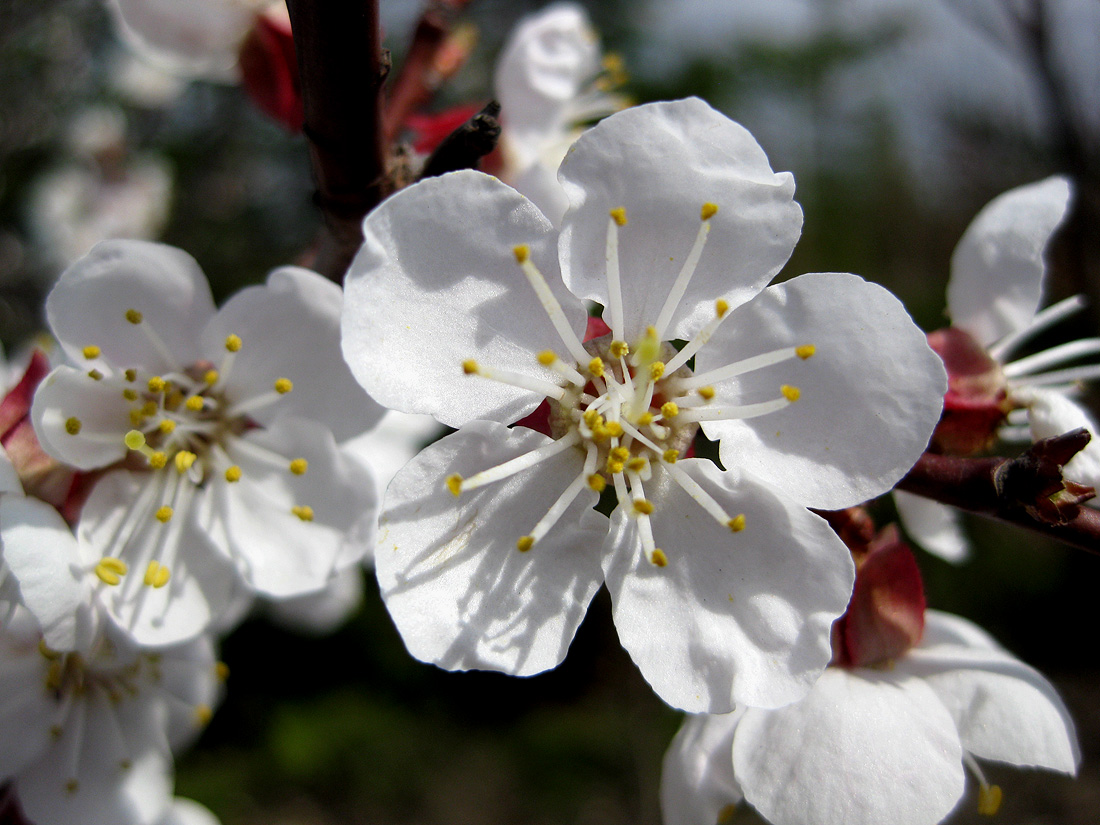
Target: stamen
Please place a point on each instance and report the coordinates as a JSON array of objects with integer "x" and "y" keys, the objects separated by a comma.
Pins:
[
  {"x": 614, "y": 286},
  {"x": 680, "y": 285},
  {"x": 110, "y": 570},
  {"x": 303, "y": 511},
  {"x": 1042, "y": 320},
  {"x": 133, "y": 316},
  {"x": 233, "y": 474},
  {"x": 741, "y": 367},
  {"x": 743, "y": 412},
  {"x": 73, "y": 425},
  {"x": 164, "y": 514},
  {"x": 91, "y": 352},
  {"x": 95, "y": 375},
  {"x": 515, "y": 379},
  {"x": 515, "y": 465},
  {"x": 596, "y": 367},
  {"x": 619, "y": 349},
  {"x": 701, "y": 338},
  {"x": 233, "y": 343},
  {"x": 550, "y": 304},
  {"x": 283, "y": 385},
  {"x": 299, "y": 466},
  {"x": 183, "y": 460},
  {"x": 658, "y": 557},
  {"x": 563, "y": 501},
  {"x": 1066, "y": 376},
  {"x": 194, "y": 403},
  {"x": 157, "y": 575},
  {"x": 690, "y": 486},
  {"x": 548, "y": 358},
  {"x": 706, "y": 393},
  {"x": 1050, "y": 357},
  {"x": 989, "y": 796}
]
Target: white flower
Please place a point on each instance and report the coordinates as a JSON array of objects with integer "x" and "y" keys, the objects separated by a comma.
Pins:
[
  {"x": 874, "y": 745},
  {"x": 993, "y": 300},
  {"x": 455, "y": 308},
  {"x": 550, "y": 80},
  {"x": 88, "y": 735},
  {"x": 224, "y": 427}
]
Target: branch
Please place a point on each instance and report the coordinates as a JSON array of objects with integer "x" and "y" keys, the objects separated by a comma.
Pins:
[
  {"x": 1027, "y": 491},
  {"x": 340, "y": 63},
  {"x": 466, "y": 145}
]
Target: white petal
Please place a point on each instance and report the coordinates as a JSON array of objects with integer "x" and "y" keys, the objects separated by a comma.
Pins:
[
  {"x": 662, "y": 162},
  {"x": 697, "y": 783},
  {"x": 862, "y": 748},
  {"x": 392, "y": 444},
  {"x": 460, "y": 593},
  {"x": 101, "y": 412},
  {"x": 27, "y": 712},
  {"x": 436, "y": 283},
  {"x": 1004, "y": 709},
  {"x": 733, "y": 617},
  {"x": 188, "y": 674},
  {"x": 1051, "y": 413},
  {"x": 89, "y": 303},
  {"x": 290, "y": 328},
  {"x": 934, "y": 526},
  {"x": 188, "y": 812},
  {"x": 870, "y": 395},
  {"x": 322, "y": 612},
  {"x": 9, "y": 478},
  {"x": 997, "y": 269}
]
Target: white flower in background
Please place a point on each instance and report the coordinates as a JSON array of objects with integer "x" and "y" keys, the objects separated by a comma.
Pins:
[
  {"x": 187, "y": 812},
  {"x": 550, "y": 80},
  {"x": 223, "y": 429},
  {"x": 993, "y": 300},
  {"x": 89, "y": 735},
  {"x": 821, "y": 389}
]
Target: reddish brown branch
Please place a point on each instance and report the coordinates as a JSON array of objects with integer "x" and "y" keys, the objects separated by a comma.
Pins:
[
  {"x": 340, "y": 64},
  {"x": 1027, "y": 491}
]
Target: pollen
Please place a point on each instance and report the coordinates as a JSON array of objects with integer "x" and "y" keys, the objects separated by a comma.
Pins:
[
  {"x": 91, "y": 352},
  {"x": 597, "y": 482},
  {"x": 303, "y": 511},
  {"x": 184, "y": 459},
  {"x": 805, "y": 351},
  {"x": 133, "y": 316},
  {"x": 614, "y": 466},
  {"x": 658, "y": 557},
  {"x": 637, "y": 465},
  {"x": 454, "y": 484},
  {"x": 233, "y": 474},
  {"x": 706, "y": 393},
  {"x": 792, "y": 394},
  {"x": 619, "y": 348},
  {"x": 233, "y": 343},
  {"x": 194, "y": 403},
  {"x": 721, "y": 307},
  {"x": 525, "y": 543},
  {"x": 299, "y": 466},
  {"x": 643, "y": 506},
  {"x": 737, "y": 523},
  {"x": 157, "y": 575},
  {"x": 131, "y": 375},
  {"x": 671, "y": 456},
  {"x": 989, "y": 800},
  {"x": 110, "y": 570},
  {"x": 164, "y": 514},
  {"x": 156, "y": 384},
  {"x": 618, "y": 214},
  {"x": 547, "y": 357},
  {"x": 595, "y": 367},
  {"x": 670, "y": 409},
  {"x": 203, "y": 715},
  {"x": 614, "y": 429},
  {"x": 656, "y": 370},
  {"x": 158, "y": 460},
  {"x": 283, "y": 385},
  {"x": 130, "y": 394},
  {"x": 95, "y": 375},
  {"x": 137, "y": 417},
  {"x": 210, "y": 377},
  {"x": 149, "y": 408},
  {"x": 645, "y": 418},
  {"x": 522, "y": 252},
  {"x": 167, "y": 426},
  {"x": 620, "y": 453},
  {"x": 469, "y": 366},
  {"x": 73, "y": 425}
]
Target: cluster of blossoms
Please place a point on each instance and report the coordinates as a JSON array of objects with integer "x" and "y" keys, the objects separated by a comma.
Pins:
[{"x": 182, "y": 460}]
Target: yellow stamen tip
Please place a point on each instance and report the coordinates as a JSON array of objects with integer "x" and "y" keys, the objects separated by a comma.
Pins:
[
  {"x": 299, "y": 466},
  {"x": 805, "y": 351},
  {"x": 454, "y": 484},
  {"x": 130, "y": 394},
  {"x": 110, "y": 570},
  {"x": 47, "y": 651},
  {"x": 670, "y": 409},
  {"x": 671, "y": 456},
  {"x": 149, "y": 408},
  {"x": 469, "y": 366},
  {"x": 645, "y": 418},
  {"x": 131, "y": 375},
  {"x": 95, "y": 375},
  {"x": 156, "y": 384},
  {"x": 637, "y": 465},
  {"x": 522, "y": 252},
  {"x": 210, "y": 377},
  {"x": 597, "y": 482},
  {"x": 656, "y": 370},
  {"x": 156, "y": 575},
  {"x": 525, "y": 544},
  {"x": 167, "y": 426},
  {"x": 658, "y": 557},
  {"x": 164, "y": 514},
  {"x": 618, "y": 214},
  {"x": 134, "y": 439},
  {"x": 737, "y": 523},
  {"x": 643, "y": 507},
  {"x": 194, "y": 403},
  {"x": 233, "y": 474},
  {"x": 184, "y": 459},
  {"x": 303, "y": 511},
  {"x": 792, "y": 394},
  {"x": 233, "y": 343},
  {"x": 614, "y": 429},
  {"x": 203, "y": 715},
  {"x": 158, "y": 460},
  {"x": 133, "y": 316},
  {"x": 283, "y": 385},
  {"x": 73, "y": 425},
  {"x": 72, "y": 786},
  {"x": 595, "y": 367},
  {"x": 547, "y": 357},
  {"x": 91, "y": 352},
  {"x": 989, "y": 800},
  {"x": 614, "y": 466},
  {"x": 706, "y": 393},
  {"x": 708, "y": 211},
  {"x": 620, "y": 453},
  {"x": 619, "y": 348},
  {"x": 721, "y": 307}
]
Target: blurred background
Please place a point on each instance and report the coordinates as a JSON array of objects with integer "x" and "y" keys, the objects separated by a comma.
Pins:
[{"x": 899, "y": 120}]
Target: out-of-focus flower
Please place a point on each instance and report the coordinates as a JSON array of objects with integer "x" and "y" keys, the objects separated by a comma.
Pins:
[
  {"x": 221, "y": 428},
  {"x": 487, "y": 550},
  {"x": 887, "y": 733}
]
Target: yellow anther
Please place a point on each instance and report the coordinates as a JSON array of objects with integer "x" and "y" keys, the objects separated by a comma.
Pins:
[
  {"x": 706, "y": 393},
  {"x": 157, "y": 384},
  {"x": 164, "y": 514},
  {"x": 737, "y": 523},
  {"x": 53, "y": 682},
  {"x": 643, "y": 507},
  {"x": 137, "y": 417},
  {"x": 130, "y": 394},
  {"x": 618, "y": 214},
  {"x": 547, "y": 357},
  {"x": 149, "y": 408},
  {"x": 131, "y": 375},
  {"x": 805, "y": 351},
  {"x": 233, "y": 343},
  {"x": 91, "y": 352},
  {"x": 158, "y": 460},
  {"x": 469, "y": 366},
  {"x": 620, "y": 453},
  {"x": 95, "y": 375},
  {"x": 133, "y": 316},
  {"x": 600, "y": 433},
  {"x": 619, "y": 348},
  {"x": 134, "y": 439},
  {"x": 283, "y": 385},
  {"x": 645, "y": 418},
  {"x": 522, "y": 252},
  {"x": 671, "y": 456},
  {"x": 47, "y": 651},
  {"x": 72, "y": 786},
  {"x": 184, "y": 459},
  {"x": 614, "y": 466},
  {"x": 721, "y": 307},
  {"x": 194, "y": 403},
  {"x": 110, "y": 570},
  {"x": 525, "y": 543},
  {"x": 233, "y": 474},
  {"x": 595, "y": 367},
  {"x": 989, "y": 800},
  {"x": 454, "y": 484},
  {"x": 656, "y": 370},
  {"x": 658, "y": 557},
  {"x": 167, "y": 426},
  {"x": 614, "y": 429},
  {"x": 597, "y": 482},
  {"x": 303, "y": 511},
  {"x": 299, "y": 466},
  {"x": 792, "y": 394},
  {"x": 157, "y": 575},
  {"x": 203, "y": 715},
  {"x": 73, "y": 425},
  {"x": 708, "y": 211},
  {"x": 221, "y": 671},
  {"x": 637, "y": 465},
  {"x": 651, "y": 333},
  {"x": 210, "y": 377},
  {"x": 670, "y": 409},
  {"x": 171, "y": 401},
  {"x": 592, "y": 418}
]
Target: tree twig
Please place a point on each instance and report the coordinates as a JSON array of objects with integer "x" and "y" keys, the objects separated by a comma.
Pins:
[{"x": 466, "y": 145}]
